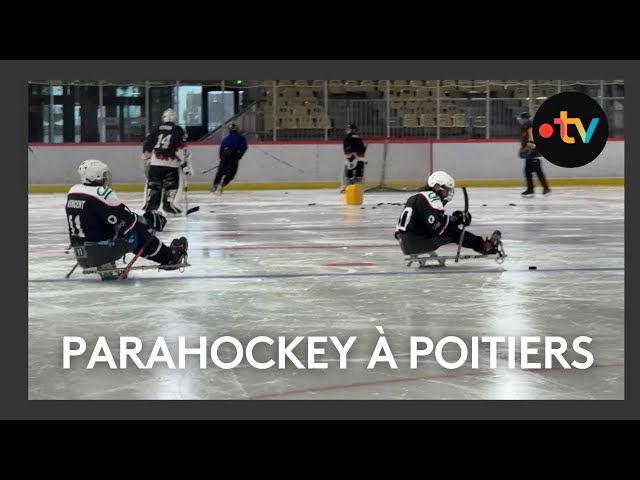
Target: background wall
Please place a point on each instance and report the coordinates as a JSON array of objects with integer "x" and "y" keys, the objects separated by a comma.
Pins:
[{"x": 407, "y": 161}]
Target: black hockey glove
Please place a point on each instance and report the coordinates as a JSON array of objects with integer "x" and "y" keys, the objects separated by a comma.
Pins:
[
  {"x": 461, "y": 218},
  {"x": 155, "y": 221}
]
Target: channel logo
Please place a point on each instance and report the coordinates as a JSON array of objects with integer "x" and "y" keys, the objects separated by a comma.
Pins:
[{"x": 570, "y": 129}]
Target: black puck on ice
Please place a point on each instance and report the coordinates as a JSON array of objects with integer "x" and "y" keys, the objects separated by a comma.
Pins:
[{"x": 532, "y": 267}]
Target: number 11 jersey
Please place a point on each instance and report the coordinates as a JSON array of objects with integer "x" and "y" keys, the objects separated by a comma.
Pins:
[{"x": 95, "y": 213}]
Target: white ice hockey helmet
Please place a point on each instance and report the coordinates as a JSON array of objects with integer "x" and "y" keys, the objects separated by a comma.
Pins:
[
  {"x": 443, "y": 179},
  {"x": 169, "y": 115},
  {"x": 94, "y": 171}
]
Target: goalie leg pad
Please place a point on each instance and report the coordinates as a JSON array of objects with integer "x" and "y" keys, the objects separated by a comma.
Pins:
[
  {"x": 153, "y": 192},
  {"x": 172, "y": 201}
]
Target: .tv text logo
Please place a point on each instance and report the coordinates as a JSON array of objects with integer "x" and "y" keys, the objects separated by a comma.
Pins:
[{"x": 546, "y": 130}]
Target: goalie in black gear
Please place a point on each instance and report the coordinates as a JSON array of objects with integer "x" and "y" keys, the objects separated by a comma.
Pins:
[
  {"x": 102, "y": 229},
  {"x": 354, "y": 150},
  {"x": 424, "y": 227},
  {"x": 166, "y": 158}
]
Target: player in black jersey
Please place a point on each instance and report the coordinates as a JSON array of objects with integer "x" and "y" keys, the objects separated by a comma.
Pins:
[
  {"x": 165, "y": 154},
  {"x": 424, "y": 227},
  {"x": 531, "y": 155},
  {"x": 107, "y": 228},
  {"x": 354, "y": 149}
]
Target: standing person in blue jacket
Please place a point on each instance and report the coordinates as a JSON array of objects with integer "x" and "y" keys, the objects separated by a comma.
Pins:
[{"x": 232, "y": 148}]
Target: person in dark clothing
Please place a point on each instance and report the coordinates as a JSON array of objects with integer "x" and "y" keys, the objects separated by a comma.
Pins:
[
  {"x": 531, "y": 155},
  {"x": 166, "y": 157},
  {"x": 354, "y": 149},
  {"x": 232, "y": 149},
  {"x": 104, "y": 229},
  {"x": 423, "y": 226}
]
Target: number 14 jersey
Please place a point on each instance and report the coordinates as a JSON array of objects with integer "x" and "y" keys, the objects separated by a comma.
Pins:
[{"x": 164, "y": 143}]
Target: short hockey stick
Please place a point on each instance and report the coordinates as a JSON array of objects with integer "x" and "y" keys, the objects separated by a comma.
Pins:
[
  {"x": 212, "y": 168},
  {"x": 125, "y": 272},
  {"x": 464, "y": 224}
]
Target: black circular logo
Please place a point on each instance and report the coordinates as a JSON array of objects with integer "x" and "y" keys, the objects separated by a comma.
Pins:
[{"x": 570, "y": 129}]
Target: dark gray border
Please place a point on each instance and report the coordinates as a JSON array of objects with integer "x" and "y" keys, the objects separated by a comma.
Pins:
[{"x": 13, "y": 357}]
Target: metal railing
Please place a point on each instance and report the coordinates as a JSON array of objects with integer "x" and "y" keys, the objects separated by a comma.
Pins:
[
  {"x": 289, "y": 110},
  {"x": 245, "y": 120},
  {"x": 320, "y": 110}
]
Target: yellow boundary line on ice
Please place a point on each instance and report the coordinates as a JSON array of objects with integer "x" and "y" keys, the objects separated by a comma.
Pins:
[{"x": 560, "y": 182}]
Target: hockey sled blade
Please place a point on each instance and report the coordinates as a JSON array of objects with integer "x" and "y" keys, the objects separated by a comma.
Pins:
[
  {"x": 140, "y": 267},
  {"x": 422, "y": 260}
]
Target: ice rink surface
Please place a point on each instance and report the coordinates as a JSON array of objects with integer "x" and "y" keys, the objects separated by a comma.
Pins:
[{"x": 299, "y": 263}]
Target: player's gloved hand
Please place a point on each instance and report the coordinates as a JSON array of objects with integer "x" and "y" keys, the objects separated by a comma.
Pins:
[
  {"x": 155, "y": 221},
  {"x": 461, "y": 218},
  {"x": 187, "y": 166},
  {"x": 187, "y": 169}
]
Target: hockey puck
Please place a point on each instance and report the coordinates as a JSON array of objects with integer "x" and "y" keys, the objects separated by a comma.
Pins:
[
  {"x": 533, "y": 268},
  {"x": 311, "y": 204},
  {"x": 512, "y": 204}
]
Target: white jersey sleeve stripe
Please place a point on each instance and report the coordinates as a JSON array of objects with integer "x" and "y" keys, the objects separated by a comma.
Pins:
[
  {"x": 433, "y": 199},
  {"x": 102, "y": 194}
]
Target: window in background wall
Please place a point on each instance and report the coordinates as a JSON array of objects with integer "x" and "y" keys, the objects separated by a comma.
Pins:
[
  {"x": 77, "y": 121},
  {"x": 86, "y": 113},
  {"x": 133, "y": 123},
  {"x": 221, "y": 107},
  {"x": 124, "y": 109},
  {"x": 160, "y": 98},
  {"x": 53, "y": 123},
  {"x": 189, "y": 105}
]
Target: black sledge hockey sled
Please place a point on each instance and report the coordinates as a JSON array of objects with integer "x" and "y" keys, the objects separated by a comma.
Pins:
[
  {"x": 111, "y": 271},
  {"x": 422, "y": 258}
]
